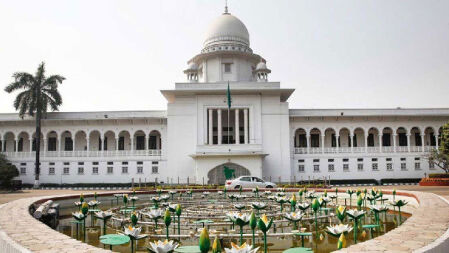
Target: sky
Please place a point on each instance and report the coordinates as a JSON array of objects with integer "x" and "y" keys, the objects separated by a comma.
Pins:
[{"x": 118, "y": 55}]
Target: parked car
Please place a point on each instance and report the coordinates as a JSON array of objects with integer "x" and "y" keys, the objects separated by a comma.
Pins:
[{"x": 248, "y": 182}]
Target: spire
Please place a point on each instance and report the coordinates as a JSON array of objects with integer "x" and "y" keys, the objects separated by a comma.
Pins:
[{"x": 226, "y": 7}]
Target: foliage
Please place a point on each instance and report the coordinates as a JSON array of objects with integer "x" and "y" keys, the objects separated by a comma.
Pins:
[
  {"x": 440, "y": 157},
  {"x": 438, "y": 175},
  {"x": 7, "y": 172}
]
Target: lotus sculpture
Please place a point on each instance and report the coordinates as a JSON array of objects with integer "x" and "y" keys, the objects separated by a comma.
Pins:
[{"x": 163, "y": 246}]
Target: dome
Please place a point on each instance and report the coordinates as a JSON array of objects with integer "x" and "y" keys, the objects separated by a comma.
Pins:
[
  {"x": 192, "y": 66},
  {"x": 261, "y": 66},
  {"x": 227, "y": 29}
]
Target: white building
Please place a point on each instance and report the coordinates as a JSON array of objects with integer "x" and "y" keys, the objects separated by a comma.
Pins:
[{"x": 197, "y": 134}]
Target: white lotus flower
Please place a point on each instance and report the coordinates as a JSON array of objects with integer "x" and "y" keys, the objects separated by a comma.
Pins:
[
  {"x": 280, "y": 194},
  {"x": 165, "y": 197},
  {"x": 355, "y": 214},
  {"x": 235, "y": 217},
  {"x": 271, "y": 197},
  {"x": 93, "y": 203},
  {"x": 258, "y": 205},
  {"x": 78, "y": 203},
  {"x": 294, "y": 216},
  {"x": 78, "y": 215},
  {"x": 133, "y": 198},
  {"x": 379, "y": 208},
  {"x": 240, "y": 196},
  {"x": 326, "y": 199},
  {"x": 171, "y": 192},
  {"x": 281, "y": 199},
  {"x": 156, "y": 199},
  {"x": 103, "y": 214},
  {"x": 118, "y": 195},
  {"x": 244, "y": 248},
  {"x": 303, "y": 205},
  {"x": 206, "y": 193},
  {"x": 339, "y": 229},
  {"x": 267, "y": 192},
  {"x": 239, "y": 206},
  {"x": 163, "y": 246},
  {"x": 154, "y": 213},
  {"x": 220, "y": 192},
  {"x": 134, "y": 232}
]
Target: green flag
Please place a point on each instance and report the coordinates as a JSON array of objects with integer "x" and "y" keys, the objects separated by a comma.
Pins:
[{"x": 228, "y": 96}]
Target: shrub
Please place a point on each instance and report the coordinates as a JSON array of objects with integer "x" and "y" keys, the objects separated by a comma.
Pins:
[
  {"x": 439, "y": 175},
  {"x": 7, "y": 172}
]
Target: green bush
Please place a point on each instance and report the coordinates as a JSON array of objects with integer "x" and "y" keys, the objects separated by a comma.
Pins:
[
  {"x": 439, "y": 175},
  {"x": 7, "y": 173}
]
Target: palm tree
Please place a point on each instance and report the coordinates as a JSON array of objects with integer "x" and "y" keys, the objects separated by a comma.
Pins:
[{"x": 38, "y": 92}]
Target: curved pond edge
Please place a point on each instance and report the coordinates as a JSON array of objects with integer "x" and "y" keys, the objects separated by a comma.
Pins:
[{"x": 427, "y": 230}]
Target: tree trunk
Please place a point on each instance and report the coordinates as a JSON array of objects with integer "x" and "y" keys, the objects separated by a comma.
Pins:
[{"x": 38, "y": 139}]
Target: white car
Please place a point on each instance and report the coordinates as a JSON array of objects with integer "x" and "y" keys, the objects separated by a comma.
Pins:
[{"x": 248, "y": 182}]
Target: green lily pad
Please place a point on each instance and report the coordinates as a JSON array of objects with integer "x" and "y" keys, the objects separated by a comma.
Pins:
[
  {"x": 203, "y": 222},
  {"x": 188, "y": 249},
  {"x": 370, "y": 226},
  {"x": 298, "y": 250},
  {"x": 114, "y": 239},
  {"x": 304, "y": 234}
]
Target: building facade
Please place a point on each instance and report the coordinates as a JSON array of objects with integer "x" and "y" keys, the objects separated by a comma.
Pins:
[{"x": 199, "y": 133}]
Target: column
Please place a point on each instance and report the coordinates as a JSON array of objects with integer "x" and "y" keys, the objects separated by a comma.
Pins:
[
  {"x": 45, "y": 145},
  {"x": 237, "y": 127},
  {"x": 351, "y": 140},
  {"x": 436, "y": 141},
  {"x": 102, "y": 143},
  {"x": 337, "y": 137},
  {"x": 245, "y": 122},
  {"x": 87, "y": 143},
  {"x": 296, "y": 140},
  {"x": 146, "y": 142},
  {"x": 116, "y": 142},
  {"x": 60, "y": 143},
  {"x": 74, "y": 144},
  {"x": 394, "y": 142},
  {"x": 219, "y": 127},
  {"x": 132, "y": 143},
  {"x": 366, "y": 142},
  {"x": 158, "y": 142},
  {"x": 380, "y": 142},
  {"x": 210, "y": 130},
  {"x": 308, "y": 142},
  {"x": 422, "y": 142},
  {"x": 408, "y": 142},
  {"x": 31, "y": 144},
  {"x": 322, "y": 143}
]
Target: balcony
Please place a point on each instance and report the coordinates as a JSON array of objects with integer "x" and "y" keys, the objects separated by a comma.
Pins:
[
  {"x": 345, "y": 150},
  {"x": 79, "y": 153}
]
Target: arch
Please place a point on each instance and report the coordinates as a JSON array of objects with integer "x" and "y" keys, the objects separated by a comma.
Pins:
[
  {"x": 80, "y": 140},
  {"x": 415, "y": 136},
  {"x": 414, "y": 129},
  {"x": 358, "y": 139},
  {"x": 220, "y": 173},
  {"x": 330, "y": 137},
  {"x": 124, "y": 140},
  {"x": 300, "y": 138},
  {"x": 9, "y": 142},
  {"x": 344, "y": 135},
  {"x": 372, "y": 137},
  {"x": 315, "y": 138},
  {"x": 139, "y": 139},
  {"x": 429, "y": 136},
  {"x": 401, "y": 137},
  {"x": 33, "y": 147},
  {"x": 154, "y": 140},
  {"x": 52, "y": 140},
  {"x": 387, "y": 137},
  {"x": 95, "y": 137},
  {"x": 109, "y": 140}
]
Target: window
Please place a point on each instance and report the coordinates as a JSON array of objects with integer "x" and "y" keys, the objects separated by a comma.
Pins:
[
  {"x": 227, "y": 67},
  {"x": 315, "y": 140},
  {"x": 389, "y": 166},
  {"x": 403, "y": 166},
  {"x": 402, "y": 139},
  {"x": 245, "y": 179},
  {"x": 330, "y": 167},
  {"x": 23, "y": 164},
  {"x": 121, "y": 143},
  {"x": 386, "y": 139},
  {"x": 52, "y": 144},
  {"x": 155, "y": 163},
  {"x": 110, "y": 163},
  {"x": 316, "y": 168},
  {"x": 302, "y": 141},
  {"x": 124, "y": 163},
  {"x": 370, "y": 140},
  {"x": 105, "y": 143},
  {"x": 154, "y": 170},
  {"x": 359, "y": 159},
  {"x": 374, "y": 159},
  {"x": 80, "y": 163},
  {"x": 354, "y": 141},
  {"x": 66, "y": 171},
  {"x": 140, "y": 142},
  {"x": 330, "y": 160},
  {"x": 300, "y": 160},
  {"x": 345, "y": 167},
  {"x": 124, "y": 170},
  {"x": 375, "y": 167},
  {"x": 51, "y": 171},
  {"x": 20, "y": 145},
  {"x": 389, "y": 159},
  {"x": 139, "y": 163},
  {"x": 316, "y": 160},
  {"x": 418, "y": 139},
  {"x": 345, "y": 160},
  {"x": 140, "y": 170},
  {"x": 417, "y": 159},
  {"x": 360, "y": 166},
  {"x": 51, "y": 164},
  {"x": 417, "y": 166},
  {"x": 23, "y": 171},
  {"x": 110, "y": 170},
  {"x": 68, "y": 144},
  {"x": 95, "y": 170},
  {"x": 66, "y": 163},
  {"x": 80, "y": 170},
  {"x": 94, "y": 163},
  {"x": 403, "y": 159},
  {"x": 301, "y": 168}
]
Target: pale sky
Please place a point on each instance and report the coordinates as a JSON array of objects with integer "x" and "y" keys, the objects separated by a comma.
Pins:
[{"x": 117, "y": 55}]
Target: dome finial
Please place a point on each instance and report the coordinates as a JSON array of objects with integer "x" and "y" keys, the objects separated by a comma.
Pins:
[{"x": 226, "y": 7}]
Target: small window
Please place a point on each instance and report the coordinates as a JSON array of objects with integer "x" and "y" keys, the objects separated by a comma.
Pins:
[
  {"x": 345, "y": 160},
  {"x": 345, "y": 167},
  {"x": 389, "y": 166},
  {"x": 316, "y": 160},
  {"x": 110, "y": 170},
  {"x": 359, "y": 159},
  {"x": 51, "y": 171},
  {"x": 140, "y": 163},
  {"x": 110, "y": 163},
  {"x": 360, "y": 166},
  {"x": 300, "y": 160},
  {"x": 51, "y": 164},
  {"x": 140, "y": 170},
  {"x": 301, "y": 168},
  {"x": 66, "y": 171},
  {"x": 330, "y": 160},
  {"x": 95, "y": 170},
  {"x": 375, "y": 166},
  {"x": 403, "y": 159},
  {"x": 330, "y": 167},
  {"x": 431, "y": 165},
  {"x": 124, "y": 170},
  {"x": 417, "y": 158},
  {"x": 154, "y": 170},
  {"x": 403, "y": 166},
  {"x": 94, "y": 163},
  {"x": 246, "y": 179},
  {"x": 23, "y": 171},
  {"x": 417, "y": 166},
  {"x": 374, "y": 159},
  {"x": 155, "y": 163},
  {"x": 66, "y": 163},
  {"x": 80, "y": 163},
  {"x": 23, "y": 164},
  {"x": 316, "y": 168},
  {"x": 227, "y": 67},
  {"x": 80, "y": 170},
  {"x": 389, "y": 159},
  {"x": 124, "y": 163}
]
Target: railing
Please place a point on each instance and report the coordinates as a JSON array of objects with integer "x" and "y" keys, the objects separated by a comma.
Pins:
[
  {"x": 80, "y": 153},
  {"x": 343, "y": 150}
]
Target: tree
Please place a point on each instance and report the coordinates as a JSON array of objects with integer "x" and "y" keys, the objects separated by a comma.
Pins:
[
  {"x": 37, "y": 93},
  {"x": 440, "y": 156},
  {"x": 7, "y": 172}
]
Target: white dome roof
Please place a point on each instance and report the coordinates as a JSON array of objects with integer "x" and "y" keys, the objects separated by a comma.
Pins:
[{"x": 228, "y": 29}]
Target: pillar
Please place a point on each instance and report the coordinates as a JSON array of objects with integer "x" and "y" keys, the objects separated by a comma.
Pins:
[
  {"x": 102, "y": 143},
  {"x": 16, "y": 145},
  {"x": 45, "y": 144},
  {"x": 337, "y": 137},
  {"x": 296, "y": 140},
  {"x": 31, "y": 144},
  {"x": 132, "y": 142},
  {"x": 245, "y": 124},
  {"x": 308, "y": 142},
  {"x": 366, "y": 142},
  {"x": 436, "y": 141},
  {"x": 408, "y": 142},
  {"x": 394, "y": 142},
  {"x": 380, "y": 142},
  {"x": 147, "y": 139},
  {"x": 87, "y": 142},
  {"x": 210, "y": 130},
  {"x": 219, "y": 127},
  {"x": 116, "y": 142},
  {"x": 322, "y": 143},
  {"x": 351, "y": 140},
  {"x": 422, "y": 142},
  {"x": 60, "y": 143},
  {"x": 237, "y": 127},
  {"x": 74, "y": 143}
]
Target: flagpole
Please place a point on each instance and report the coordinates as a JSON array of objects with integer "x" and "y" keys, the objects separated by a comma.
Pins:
[{"x": 229, "y": 137}]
